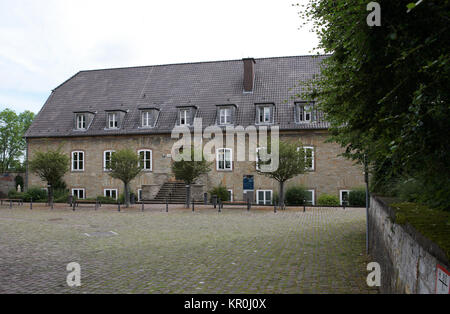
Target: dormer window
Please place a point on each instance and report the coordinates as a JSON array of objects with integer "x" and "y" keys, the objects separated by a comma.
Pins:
[
  {"x": 113, "y": 121},
  {"x": 186, "y": 115},
  {"x": 225, "y": 114},
  {"x": 148, "y": 118},
  {"x": 81, "y": 121},
  {"x": 305, "y": 113},
  {"x": 264, "y": 114}
]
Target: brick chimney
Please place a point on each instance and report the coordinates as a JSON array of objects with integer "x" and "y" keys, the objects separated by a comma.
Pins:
[{"x": 249, "y": 74}]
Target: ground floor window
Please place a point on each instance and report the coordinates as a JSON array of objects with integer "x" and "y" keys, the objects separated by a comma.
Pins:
[
  {"x": 111, "y": 193},
  {"x": 344, "y": 194},
  {"x": 230, "y": 195},
  {"x": 310, "y": 197},
  {"x": 79, "y": 193},
  {"x": 264, "y": 197}
]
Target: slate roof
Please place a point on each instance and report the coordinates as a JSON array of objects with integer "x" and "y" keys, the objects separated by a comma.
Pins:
[{"x": 204, "y": 85}]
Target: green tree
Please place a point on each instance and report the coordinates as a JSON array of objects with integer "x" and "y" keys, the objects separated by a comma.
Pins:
[
  {"x": 385, "y": 89},
  {"x": 50, "y": 166},
  {"x": 12, "y": 143},
  {"x": 188, "y": 170},
  {"x": 291, "y": 164},
  {"x": 125, "y": 167}
]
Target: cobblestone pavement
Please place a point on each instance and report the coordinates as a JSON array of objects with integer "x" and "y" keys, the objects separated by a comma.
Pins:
[{"x": 320, "y": 251}]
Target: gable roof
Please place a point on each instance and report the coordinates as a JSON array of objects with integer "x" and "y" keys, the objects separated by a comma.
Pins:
[{"x": 167, "y": 87}]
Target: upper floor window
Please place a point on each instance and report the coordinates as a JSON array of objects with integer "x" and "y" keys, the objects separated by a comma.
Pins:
[
  {"x": 78, "y": 161},
  {"x": 184, "y": 116},
  {"x": 305, "y": 113},
  {"x": 264, "y": 114},
  {"x": 145, "y": 159},
  {"x": 309, "y": 158},
  {"x": 113, "y": 120},
  {"x": 81, "y": 121},
  {"x": 148, "y": 118},
  {"x": 224, "y": 116},
  {"x": 225, "y": 159},
  {"x": 107, "y": 156}
]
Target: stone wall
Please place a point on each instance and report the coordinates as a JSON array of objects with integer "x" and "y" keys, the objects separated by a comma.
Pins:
[
  {"x": 7, "y": 182},
  {"x": 407, "y": 259},
  {"x": 332, "y": 172}
]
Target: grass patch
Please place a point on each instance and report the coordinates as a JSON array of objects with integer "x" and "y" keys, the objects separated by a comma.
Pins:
[{"x": 432, "y": 223}]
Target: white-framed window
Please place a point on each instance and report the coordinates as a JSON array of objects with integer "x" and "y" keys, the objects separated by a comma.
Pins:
[
  {"x": 140, "y": 195},
  {"x": 343, "y": 196},
  {"x": 258, "y": 168},
  {"x": 79, "y": 193},
  {"x": 81, "y": 121},
  {"x": 148, "y": 118},
  {"x": 230, "y": 195},
  {"x": 309, "y": 158},
  {"x": 264, "y": 197},
  {"x": 145, "y": 159},
  {"x": 111, "y": 193},
  {"x": 113, "y": 120},
  {"x": 305, "y": 113},
  {"x": 224, "y": 159},
  {"x": 184, "y": 116},
  {"x": 265, "y": 114},
  {"x": 310, "y": 197},
  {"x": 77, "y": 161},
  {"x": 107, "y": 155},
  {"x": 225, "y": 116}
]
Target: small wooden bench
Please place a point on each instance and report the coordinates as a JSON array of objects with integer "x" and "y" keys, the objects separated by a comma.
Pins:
[
  {"x": 11, "y": 201},
  {"x": 76, "y": 203}
]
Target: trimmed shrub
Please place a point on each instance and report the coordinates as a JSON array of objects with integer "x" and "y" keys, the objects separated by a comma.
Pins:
[
  {"x": 37, "y": 194},
  {"x": 295, "y": 196},
  {"x": 221, "y": 192},
  {"x": 357, "y": 197},
  {"x": 328, "y": 200}
]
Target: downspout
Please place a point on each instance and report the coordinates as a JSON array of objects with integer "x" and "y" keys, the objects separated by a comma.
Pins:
[{"x": 26, "y": 166}]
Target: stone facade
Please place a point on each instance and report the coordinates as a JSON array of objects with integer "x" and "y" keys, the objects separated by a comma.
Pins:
[{"x": 332, "y": 173}]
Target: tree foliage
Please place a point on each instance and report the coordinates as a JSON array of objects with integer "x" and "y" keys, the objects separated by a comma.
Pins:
[
  {"x": 189, "y": 170},
  {"x": 385, "y": 90},
  {"x": 50, "y": 167},
  {"x": 291, "y": 164},
  {"x": 12, "y": 143},
  {"x": 125, "y": 167}
]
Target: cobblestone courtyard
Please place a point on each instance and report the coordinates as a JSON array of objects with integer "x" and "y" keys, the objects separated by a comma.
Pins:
[{"x": 320, "y": 251}]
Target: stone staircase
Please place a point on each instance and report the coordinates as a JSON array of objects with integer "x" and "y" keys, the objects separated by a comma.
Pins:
[{"x": 175, "y": 192}]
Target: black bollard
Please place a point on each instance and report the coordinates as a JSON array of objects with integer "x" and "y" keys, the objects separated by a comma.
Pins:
[
  {"x": 74, "y": 205},
  {"x": 304, "y": 206},
  {"x": 193, "y": 206},
  {"x": 167, "y": 205},
  {"x": 31, "y": 203},
  {"x": 118, "y": 205},
  {"x": 96, "y": 203},
  {"x": 143, "y": 206}
]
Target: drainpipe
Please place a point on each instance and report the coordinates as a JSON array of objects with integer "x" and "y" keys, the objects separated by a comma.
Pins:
[
  {"x": 366, "y": 179},
  {"x": 25, "y": 189}
]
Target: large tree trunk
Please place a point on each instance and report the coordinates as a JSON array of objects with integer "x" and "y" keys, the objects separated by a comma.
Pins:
[
  {"x": 188, "y": 195},
  {"x": 127, "y": 195},
  {"x": 281, "y": 196}
]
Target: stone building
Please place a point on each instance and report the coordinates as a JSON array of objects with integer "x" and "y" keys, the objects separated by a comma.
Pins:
[{"x": 97, "y": 112}]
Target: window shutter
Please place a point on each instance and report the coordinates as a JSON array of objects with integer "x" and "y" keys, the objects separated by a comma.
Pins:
[
  {"x": 272, "y": 114},
  {"x": 191, "y": 116},
  {"x": 233, "y": 114}
]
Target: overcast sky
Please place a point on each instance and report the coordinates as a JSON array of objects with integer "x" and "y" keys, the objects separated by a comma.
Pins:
[{"x": 45, "y": 42}]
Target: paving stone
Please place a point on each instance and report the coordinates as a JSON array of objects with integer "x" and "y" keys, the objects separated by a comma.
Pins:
[{"x": 320, "y": 251}]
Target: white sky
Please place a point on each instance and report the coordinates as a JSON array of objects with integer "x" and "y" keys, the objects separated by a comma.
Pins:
[{"x": 44, "y": 42}]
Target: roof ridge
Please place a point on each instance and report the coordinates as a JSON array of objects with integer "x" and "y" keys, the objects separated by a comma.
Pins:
[{"x": 200, "y": 62}]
